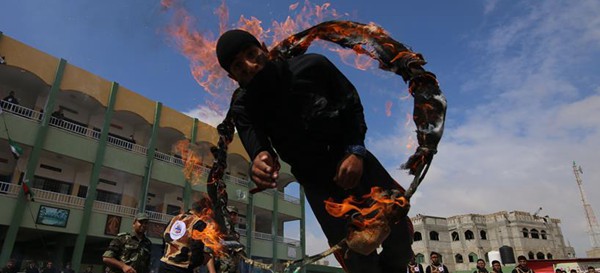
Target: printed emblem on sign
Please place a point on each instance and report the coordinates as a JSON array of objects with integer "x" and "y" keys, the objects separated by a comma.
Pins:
[
  {"x": 177, "y": 230},
  {"x": 416, "y": 269},
  {"x": 441, "y": 269}
]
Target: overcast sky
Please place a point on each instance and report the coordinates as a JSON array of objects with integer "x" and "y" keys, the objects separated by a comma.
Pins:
[{"x": 522, "y": 81}]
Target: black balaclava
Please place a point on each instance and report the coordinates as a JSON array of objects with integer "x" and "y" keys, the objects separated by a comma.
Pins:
[{"x": 231, "y": 43}]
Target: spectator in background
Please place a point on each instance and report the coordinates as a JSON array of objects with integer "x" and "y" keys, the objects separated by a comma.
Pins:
[
  {"x": 573, "y": 271},
  {"x": 414, "y": 267},
  {"x": 10, "y": 267},
  {"x": 9, "y": 99},
  {"x": 89, "y": 269},
  {"x": 59, "y": 114},
  {"x": 522, "y": 266},
  {"x": 591, "y": 269},
  {"x": 67, "y": 269},
  {"x": 49, "y": 268},
  {"x": 436, "y": 266},
  {"x": 496, "y": 266},
  {"x": 32, "y": 268},
  {"x": 480, "y": 267}
]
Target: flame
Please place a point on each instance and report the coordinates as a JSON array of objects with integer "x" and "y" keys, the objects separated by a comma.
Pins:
[
  {"x": 388, "y": 108},
  {"x": 192, "y": 163},
  {"x": 410, "y": 143},
  {"x": 211, "y": 235},
  {"x": 199, "y": 47},
  {"x": 381, "y": 205}
]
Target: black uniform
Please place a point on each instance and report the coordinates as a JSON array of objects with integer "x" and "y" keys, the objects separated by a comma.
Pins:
[
  {"x": 417, "y": 268},
  {"x": 519, "y": 269},
  {"x": 436, "y": 269},
  {"x": 306, "y": 110}
]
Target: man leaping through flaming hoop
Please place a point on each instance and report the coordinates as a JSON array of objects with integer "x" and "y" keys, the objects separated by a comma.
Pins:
[{"x": 304, "y": 110}]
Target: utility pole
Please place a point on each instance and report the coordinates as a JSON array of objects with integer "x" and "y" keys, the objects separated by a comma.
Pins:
[{"x": 593, "y": 227}]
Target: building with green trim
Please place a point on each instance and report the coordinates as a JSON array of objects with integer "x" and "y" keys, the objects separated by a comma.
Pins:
[{"x": 108, "y": 155}]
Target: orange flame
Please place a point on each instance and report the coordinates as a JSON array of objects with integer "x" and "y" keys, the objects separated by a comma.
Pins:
[
  {"x": 211, "y": 235},
  {"x": 192, "y": 163},
  {"x": 381, "y": 205},
  {"x": 410, "y": 144},
  {"x": 199, "y": 48},
  {"x": 388, "y": 108}
]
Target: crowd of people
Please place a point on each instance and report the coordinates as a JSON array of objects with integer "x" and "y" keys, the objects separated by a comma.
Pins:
[
  {"x": 32, "y": 267},
  {"x": 521, "y": 267}
]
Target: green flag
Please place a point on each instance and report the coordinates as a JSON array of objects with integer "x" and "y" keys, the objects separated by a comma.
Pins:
[{"x": 16, "y": 150}]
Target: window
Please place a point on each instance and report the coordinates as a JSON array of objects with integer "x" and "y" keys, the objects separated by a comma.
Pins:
[
  {"x": 173, "y": 210},
  {"x": 525, "y": 233},
  {"x": 101, "y": 195},
  {"x": 417, "y": 236},
  {"x": 530, "y": 255},
  {"x": 483, "y": 235},
  {"x": 543, "y": 233},
  {"x": 540, "y": 256},
  {"x": 472, "y": 257},
  {"x": 419, "y": 258},
  {"x": 469, "y": 235},
  {"x": 434, "y": 236},
  {"x": 108, "y": 197},
  {"x": 455, "y": 236},
  {"x": 52, "y": 185},
  {"x": 535, "y": 234},
  {"x": 549, "y": 256},
  {"x": 458, "y": 258}
]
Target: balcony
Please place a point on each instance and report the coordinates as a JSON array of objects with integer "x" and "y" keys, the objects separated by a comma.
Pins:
[
  {"x": 83, "y": 131},
  {"x": 50, "y": 197}
]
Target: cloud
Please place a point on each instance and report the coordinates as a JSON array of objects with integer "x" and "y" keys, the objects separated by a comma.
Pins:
[
  {"x": 535, "y": 111},
  {"x": 489, "y": 6},
  {"x": 207, "y": 115}
]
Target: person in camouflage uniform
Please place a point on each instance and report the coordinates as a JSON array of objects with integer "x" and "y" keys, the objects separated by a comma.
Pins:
[
  {"x": 182, "y": 252},
  {"x": 130, "y": 253}
]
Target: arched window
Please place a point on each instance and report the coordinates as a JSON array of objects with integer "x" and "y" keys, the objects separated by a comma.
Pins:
[
  {"x": 525, "y": 233},
  {"x": 483, "y": 235},
  {"x": 543, "y": 233},
  {"x": 530, "y": 255},
  {"x": 535, "y": 234},
  {"x": 417, "y": 236},
  {"x": 455, "y": 236},
  {"x": 419, "y": 258},
  {"x": 458, "y": 259},
  {"x": 434, "y": 236},
  {"x": 540, "y": 256},
  {"x": 549, "y": 256},
  {"x": 469, "y": 235},
  {"x": 472, "y": 257}
]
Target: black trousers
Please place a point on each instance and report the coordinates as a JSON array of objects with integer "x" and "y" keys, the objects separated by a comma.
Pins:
[{"x": 319, "y": 186}]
